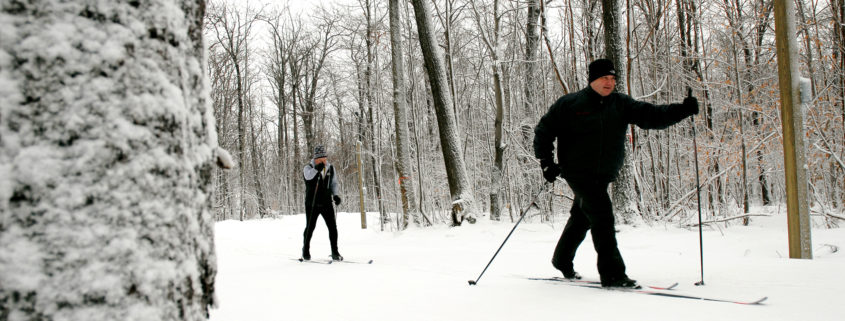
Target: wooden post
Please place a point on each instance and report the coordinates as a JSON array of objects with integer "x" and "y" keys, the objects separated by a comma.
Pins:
[
  {"x": 793, "y": 129},
  {"x": 361, "y": 187}
]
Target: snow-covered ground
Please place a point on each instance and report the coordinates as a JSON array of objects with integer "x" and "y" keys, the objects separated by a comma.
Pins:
[{"x": 421, "y": 274}]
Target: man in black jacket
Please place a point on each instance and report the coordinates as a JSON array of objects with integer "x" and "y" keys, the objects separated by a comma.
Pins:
[
  {"x": 590, "y": 127},
  {"x": 321, "y": 188}
]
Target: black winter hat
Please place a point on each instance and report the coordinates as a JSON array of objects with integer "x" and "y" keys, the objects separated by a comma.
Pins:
[
  {"x": 319, "y": 151},
  {"x": 601, "y": 68}
]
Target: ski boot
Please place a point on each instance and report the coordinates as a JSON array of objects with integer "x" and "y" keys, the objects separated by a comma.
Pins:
[
  {"x": 571, "y": 275},
  {"x": 620, "y": 282}
]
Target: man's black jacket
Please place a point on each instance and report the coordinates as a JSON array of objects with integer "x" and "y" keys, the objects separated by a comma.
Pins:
[{"x": 590, "y": 131}]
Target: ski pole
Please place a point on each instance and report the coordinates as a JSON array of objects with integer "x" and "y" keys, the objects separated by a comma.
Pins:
[
  {"x": 521, "y": 216},
  {"x": 698, "y": 191}
]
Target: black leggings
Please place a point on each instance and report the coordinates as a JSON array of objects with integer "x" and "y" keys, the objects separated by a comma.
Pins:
[
  {"x": 591, "y": 210},
  {"x": 311, "y": 218}
]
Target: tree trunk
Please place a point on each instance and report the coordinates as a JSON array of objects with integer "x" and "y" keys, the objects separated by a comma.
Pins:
[
  {"x": 463, "y": 203},
  {"x": 277, "y": 75},
  {"x": 403, "y": 162},
  {"x": 257, "y": 169},
  {"x": 491, "y": 40},
  {"x": 241, "y": 143},
  {"x": 499, "y": 149},
  {"x": 531, "y": 84},
  {"x": 105, "y": 194},
  {"x": 370, "y": 104},
  {"x": 624, "y": 189}
]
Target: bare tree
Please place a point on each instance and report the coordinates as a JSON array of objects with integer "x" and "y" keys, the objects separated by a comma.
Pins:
[
  {"x": 106, "y": 159},
  {"x": 232, "y": 32},
  {"x": 403, "y": 161},
  {"x": 278, "y": 75},
  {"x": 491, "y": 41},
  {"x": 314, "y": 55},
  {"x": 463, "y": 203}
]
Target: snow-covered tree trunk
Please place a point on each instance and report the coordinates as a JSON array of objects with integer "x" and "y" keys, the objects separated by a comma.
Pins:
[
  {"x": 463, "y": 202},
  {"x": 106, "y": 147},
  {"x": 400, "y": 115}
]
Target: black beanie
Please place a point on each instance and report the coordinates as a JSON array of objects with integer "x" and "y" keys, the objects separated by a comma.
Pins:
[{"x": 601, "y": 68}]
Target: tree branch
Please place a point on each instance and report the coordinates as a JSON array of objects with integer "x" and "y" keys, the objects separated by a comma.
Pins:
[{"x": 725, "y": 219}]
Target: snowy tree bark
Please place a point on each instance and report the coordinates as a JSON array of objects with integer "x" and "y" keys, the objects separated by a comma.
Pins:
[
  {"x": 403, "y": 161},
  {"x": 463, "y": 203},
  {"x": 106, "y": 147}
]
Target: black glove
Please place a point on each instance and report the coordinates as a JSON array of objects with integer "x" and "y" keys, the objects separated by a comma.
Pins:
[
  {"x": 336, "y": 199},
  {"x": 550, "y": 171},
  {"x": 319, "y": 167},
  {"x": 691, "y": 103}
]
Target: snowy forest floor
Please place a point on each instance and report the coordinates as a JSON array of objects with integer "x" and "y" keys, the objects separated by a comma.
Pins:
[{"x": 422, "y": 273}]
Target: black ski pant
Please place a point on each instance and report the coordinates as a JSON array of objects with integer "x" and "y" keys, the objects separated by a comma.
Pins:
[
  {"x": 593, "y": 211},
  {"x": 328, "y": 216}
]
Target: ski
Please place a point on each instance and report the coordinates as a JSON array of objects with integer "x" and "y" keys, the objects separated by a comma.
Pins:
[
  {"x": 313, "y": 261},
  {"x": 655, "y": 292},
  {"x": 593, "y": 282},
  {"x": 353, "y": 261}
]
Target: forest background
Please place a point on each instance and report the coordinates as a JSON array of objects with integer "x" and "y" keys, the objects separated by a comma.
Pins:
[{"x": 284, "y": 79}]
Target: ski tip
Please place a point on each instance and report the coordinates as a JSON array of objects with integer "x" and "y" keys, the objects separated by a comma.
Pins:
[
  {"x": 672, "y": 286},
  {"x": 759, "y": 301},
  {"x": 370, "y": 262}
]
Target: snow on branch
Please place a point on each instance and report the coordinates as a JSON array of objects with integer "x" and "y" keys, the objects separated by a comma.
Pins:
[
  {"x": 828, "y": 215},
  {"x": 725, "y": 219},
  {"x": 224, "y": 159}
]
